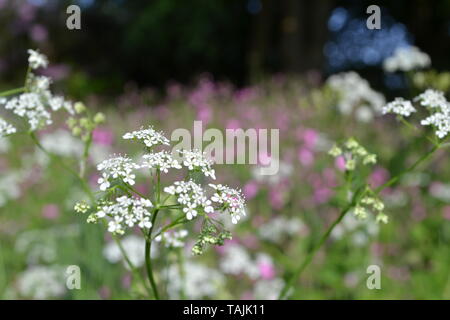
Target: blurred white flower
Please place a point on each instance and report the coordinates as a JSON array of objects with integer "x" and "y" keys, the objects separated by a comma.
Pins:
[
  {"x": 6, "y": 128},
  {"x": 198, "y": 282},
  {"x": 133, "y": 245},
  {"x": 399, "y": 106},
  {"x": 406, "y": 59},
  {"x": 268, "y": 289},
  {"x": 37, "y": 60},
  {"x": 42, "y": 282},
  {"x": 277, "y": 228},
  {"x": 355, "y": 93}
]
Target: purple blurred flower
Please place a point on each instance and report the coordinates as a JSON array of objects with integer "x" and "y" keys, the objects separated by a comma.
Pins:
[
  {"x": 38, "y": 33},
  {"x": 103, "y": 136},
  {"x": 251, "y": 189},
  {"x": 50, "y": 211}
]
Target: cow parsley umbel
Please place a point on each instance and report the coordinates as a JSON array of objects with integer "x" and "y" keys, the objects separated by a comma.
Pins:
[{"x": 122, "y": 207}]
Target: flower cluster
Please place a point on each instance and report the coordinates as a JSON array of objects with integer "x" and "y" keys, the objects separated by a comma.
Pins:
[
  {"x": 117, "y": 167},
  {"x": 124, "y": 212},
  {"x": 149, "y": 137},
  {"x": 191, "y": 196},
  {"x": 353, "y": 152},
  {"x": 231, "y": 200},
  {"x": 187, "y": 196},
  {"x": 406, "y": 59},
  {"x": 439, "y": 108},
  {"x": 196, "y": 161},
  {"x": 356, "y": 94},
  {"x": 36, "y": 102},
  {"x": 399, "y": 106},
  {"x": 6, "y": 128},
  {"x": 210, "y": 234},
  {"x": 372, "y": 204},
  {"x": 436, "y": 104},
  {"x": 160, "y": 160},
  {"x": 37, "y": 60}
]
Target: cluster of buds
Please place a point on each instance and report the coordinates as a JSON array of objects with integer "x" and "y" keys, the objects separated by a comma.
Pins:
[
  {"x": 353, "y": 153},
  {"x": 82, "y": 123},
  {"x": 211, "y": 235}
]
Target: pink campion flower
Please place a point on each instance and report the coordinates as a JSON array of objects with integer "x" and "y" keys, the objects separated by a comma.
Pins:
[
  {"x": 247, "y": 295},
  {"x": 56, "y": 71},
  {"x": 339, "y": 162},
  {"x": 266, "y": 270},
  {"x": 50, "y": 211},
  {"x": 306, "y": 156},
  {"x": 251, "y": 189},
  {"x": 329, "y": 177},
  {"x": 378, "y": 177},
  {"x": 142, "y": 188},
  {"x": 93, "y": 180},
  {"x": 418, "y": 212},
  {"x": 38, "y": 33},
  {"x": 204, "y": 113},
  {"x": 104, "y": 292},
  {"x": 251, "y": 242},
  {"x": 322, "y": 195},
  {"x": 126, "y": 281},
  {"x": 233, "y": 124},
  {"x": 102, "y": 136},
  {"x": 446, "y": 212},
  {"x": 310, "y": 137},
  {"x": 276, "y": 198}
]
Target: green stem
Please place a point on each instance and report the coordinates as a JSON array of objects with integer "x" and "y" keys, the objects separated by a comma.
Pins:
[
  {"x": 12, "y": 91},
  {"x": 394, "y": 179},
  {"x": 297, "y": 273},
  {"x": 312, "y": 253},
  {"x": 83, "y": 162},
  {"x": 133, "y": 269},
  {"x": 148, "y": 260},
  {"x": 83, "y": 183}
]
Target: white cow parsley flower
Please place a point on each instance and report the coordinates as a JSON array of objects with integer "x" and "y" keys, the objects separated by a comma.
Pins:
[
  {"x": 160, "y": 160},
  {"x": 150, "y": 137},
  {"x": 6, "y": 128},
  {"x": 356, "y": 94},
  {"x": 195, "y": 160},
  {"x": 37, "y": 101},
  {"x": 433, "y": 99},
  {"x": 174, "y": 239},
  {"x": 399, "y": 106},
  {"x": 124, "y": 212},
  {"x": 441, "y": 121},
  {"x": 406, "y": 59},
  {"x": 440, "y": 108},
  {"x": 30, "y": 106},
  {"x": 232, "y": 200},
  {"x": 36, "y": 59},
  {"x": 42, "y": 282},
  {"x": 191, "y": 196},
  {"x": 114, "y": 168}
]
